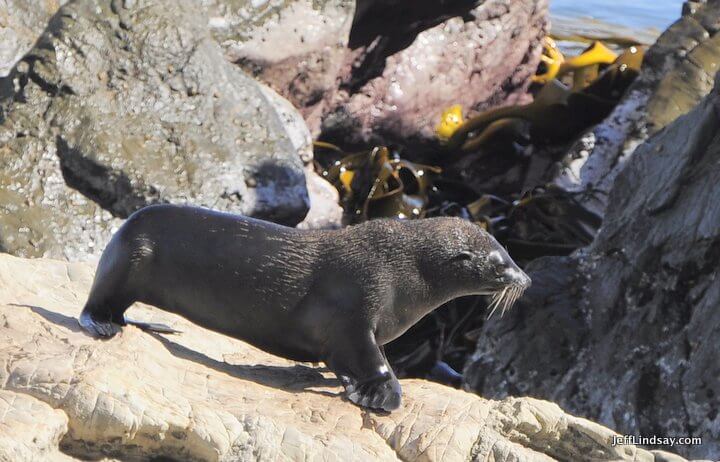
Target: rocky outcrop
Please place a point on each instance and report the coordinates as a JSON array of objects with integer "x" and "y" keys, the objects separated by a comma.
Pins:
[
  {"x": 202, "y": 396},
  {"x": 677, "y": 73},
  {"x": 413, "y": 59},
  {"x": 123, "y": 104},
  {"x": 21, "y": 23},
  {"x": 625, "y": 331},
  {"x": 297, "y": 47}
]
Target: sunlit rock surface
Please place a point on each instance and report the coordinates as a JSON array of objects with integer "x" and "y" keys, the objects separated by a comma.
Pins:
[
  {"x": 21, "y": 23},
  {"x": 29, "y": 428},
  {"x": 298, "y": 47},
  {"x": 202, "y": 396}
]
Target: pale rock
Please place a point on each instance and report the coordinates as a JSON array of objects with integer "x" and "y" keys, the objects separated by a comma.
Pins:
[{"x": 203, "y": 396}]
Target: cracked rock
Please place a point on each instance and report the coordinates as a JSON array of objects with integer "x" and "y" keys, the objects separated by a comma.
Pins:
[{"x": 202, "y": 396}]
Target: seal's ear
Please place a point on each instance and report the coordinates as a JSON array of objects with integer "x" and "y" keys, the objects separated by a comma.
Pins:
[{"x": 464, "y": 255}]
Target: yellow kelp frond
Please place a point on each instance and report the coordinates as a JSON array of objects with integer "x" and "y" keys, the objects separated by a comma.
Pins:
[
  {"x": 597, "y": 53},
  {"x": 552, "y": 59},
  {"x": 450, "y": 120},
  {"x": 346, "y": 177}
]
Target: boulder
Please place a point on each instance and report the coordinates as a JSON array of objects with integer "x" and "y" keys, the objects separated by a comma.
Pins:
[
  {"x": 677, "y": 73},
  {"x": 124, "y": 104},
  {"x": 625, "y": 331},
  {"x": 21, "y": 23},
  {"x": 413, "y": 59},
  {"x": 203, "y": 396},
  {"x": 297, "y": 47}
]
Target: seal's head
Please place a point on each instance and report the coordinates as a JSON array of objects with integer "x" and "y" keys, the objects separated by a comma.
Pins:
[{"x": 480, "y": 264}]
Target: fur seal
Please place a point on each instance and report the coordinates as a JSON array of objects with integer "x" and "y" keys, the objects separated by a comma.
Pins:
[{"x": 334, "y": 296}]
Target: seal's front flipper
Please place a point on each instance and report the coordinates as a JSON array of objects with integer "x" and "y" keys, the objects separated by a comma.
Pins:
[
  {"x": 365, "y": 374},
  {"x": 97, "y": 327},
  {"x": 153, "y": 327},
  {"x": 381, "y": 392}
]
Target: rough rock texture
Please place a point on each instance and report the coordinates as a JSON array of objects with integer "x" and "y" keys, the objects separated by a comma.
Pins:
[
  {"x": 131, "y": 103},
  {"x": 626, "y": 331},
  {"x": 203, "y": 396},
  {"x": 29, "y": 429},
  {"x": 324, "y": 209},
  {"x": 677, "y": 73},
  {"x": 21, "y": 23},
  {"x": 298, "y": 47},
  {"x": 414, "y": 59}
]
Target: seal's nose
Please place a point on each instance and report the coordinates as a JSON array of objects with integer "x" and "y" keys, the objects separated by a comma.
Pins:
[
  {"x": 527, "y": 282},
  {"x": 516, "y": 276}
]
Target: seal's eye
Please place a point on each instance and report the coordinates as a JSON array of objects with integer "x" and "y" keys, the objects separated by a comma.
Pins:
[{"x": 464, "y": 255}]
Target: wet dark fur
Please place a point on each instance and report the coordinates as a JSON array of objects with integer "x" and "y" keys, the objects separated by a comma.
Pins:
[{"x": 324, "y": 295}]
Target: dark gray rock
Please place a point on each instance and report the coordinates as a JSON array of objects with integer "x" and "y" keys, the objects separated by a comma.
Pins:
[
  {"x": 677, "y": 73},
  {"x": 630, "y": 338},
  {"x": 502, "y": 365},
  {"x": 132, "y": 103}
]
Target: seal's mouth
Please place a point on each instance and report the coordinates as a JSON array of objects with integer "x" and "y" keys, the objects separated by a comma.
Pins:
[{"x": 505, "y": 298}]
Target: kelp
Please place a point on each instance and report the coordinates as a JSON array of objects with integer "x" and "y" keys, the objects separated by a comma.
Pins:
[
  {"x": 559, "y": 112},
  {"x": 529, "y": 217},
  {"x": 545, "y": 221},
  {"x": 375, "y": 183},
  {"x": 551, "y": 60},
  {"x": 450, "y": 120}
]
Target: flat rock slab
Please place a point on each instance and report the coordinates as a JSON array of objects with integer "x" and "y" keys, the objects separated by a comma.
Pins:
[{"x": 203, "y": 396}]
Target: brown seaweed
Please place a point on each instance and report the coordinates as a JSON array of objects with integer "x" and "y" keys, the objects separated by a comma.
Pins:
[
  {"x": 374, "y": 184},
  {"x": 530, "y": 218}
]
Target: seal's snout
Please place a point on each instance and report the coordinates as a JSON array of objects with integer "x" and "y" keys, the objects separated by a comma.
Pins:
[
  {"x": 511, "y": 275},
  {"x": 514, "y": 282},
  {"x": 516, "y": 277}
]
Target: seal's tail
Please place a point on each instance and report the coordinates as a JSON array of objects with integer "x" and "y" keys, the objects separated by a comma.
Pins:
[{"x": 153, "y": 327}]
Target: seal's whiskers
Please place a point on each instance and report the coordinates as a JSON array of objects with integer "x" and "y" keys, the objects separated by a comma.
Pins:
[
  {"x": 505, "y": 299},
  {"x": 496, "y": 300}
]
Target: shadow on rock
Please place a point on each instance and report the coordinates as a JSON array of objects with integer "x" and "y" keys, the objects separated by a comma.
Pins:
[
  {"x": 297, "y": 378},
  {"x": 68, "y": 322}
]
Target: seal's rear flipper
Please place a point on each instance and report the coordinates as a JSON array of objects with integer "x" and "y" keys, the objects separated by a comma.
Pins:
[{"x": 153, "y": 327}]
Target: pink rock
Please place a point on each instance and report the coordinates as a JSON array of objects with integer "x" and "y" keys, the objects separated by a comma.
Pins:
[{"x": 481, "y": 58}]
